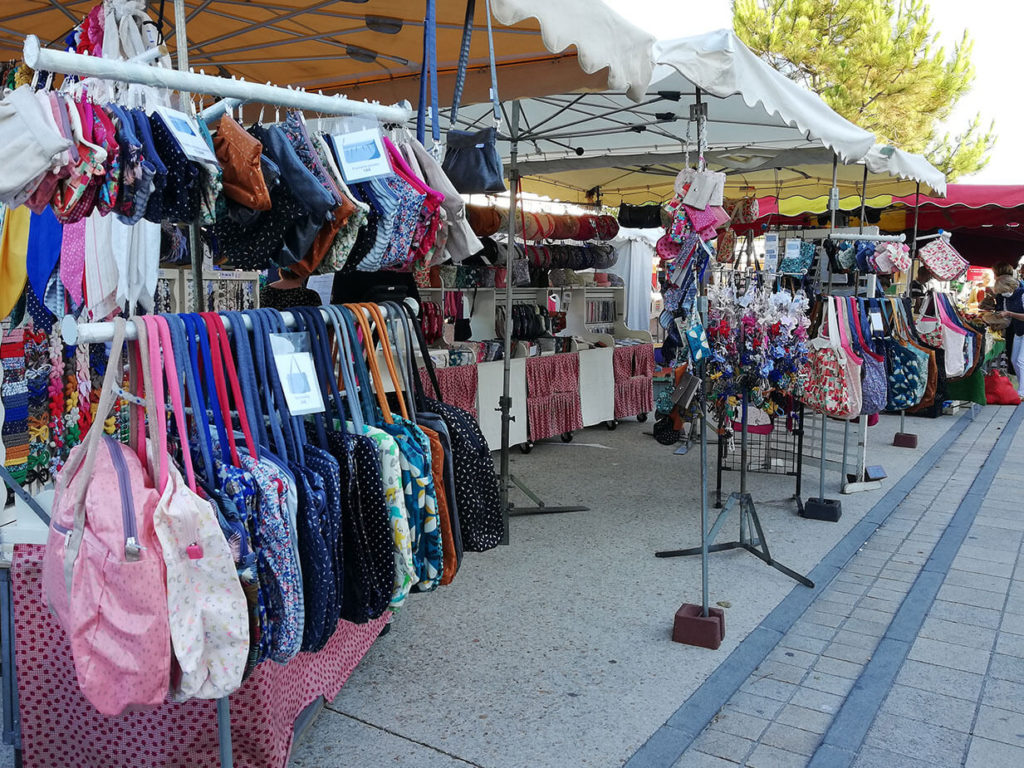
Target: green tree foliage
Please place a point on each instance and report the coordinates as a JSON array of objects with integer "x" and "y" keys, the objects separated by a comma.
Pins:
[{"x": 879, "y": 64}]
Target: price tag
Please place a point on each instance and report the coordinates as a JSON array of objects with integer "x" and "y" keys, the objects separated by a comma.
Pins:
[
  {"x": 186, "y": 132},
  {"x": 295, "y": 368},
  {"x": 877, "y": 324}
]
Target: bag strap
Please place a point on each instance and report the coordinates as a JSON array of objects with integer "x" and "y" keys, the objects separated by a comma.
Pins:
[
  {"x": 24, "y": 495},
  {"x": 200, "y": 350},
  {"x": 425, "y": 355},
  {"x": 460, "y": 77},
  {"x": 844, "y": 332},
  {"x": 218, "y": 329},
  {"x": 428, "y": 71},
  {"x": 389, "y": 360},
  {"x": 303, "y": 325},
  {"x": 249, "y": 387},
  {"x": 370, "y": 354},
  {"x": 397, "y": 325},
  {"x": 263, "y": 383},
  {"x": 342, "y": 347},
  {"x": 220, "y": 385},
  {"x": 273, "y": 322},
  {"x": 176, "y": 327}
]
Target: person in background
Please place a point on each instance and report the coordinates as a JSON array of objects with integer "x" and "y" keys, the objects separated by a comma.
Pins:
[
  {"x": 1009, "y": 296},
  {"x": 920, "y": 285}
]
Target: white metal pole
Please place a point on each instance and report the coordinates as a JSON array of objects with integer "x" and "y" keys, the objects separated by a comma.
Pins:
[{"x": 38, "y": 57}]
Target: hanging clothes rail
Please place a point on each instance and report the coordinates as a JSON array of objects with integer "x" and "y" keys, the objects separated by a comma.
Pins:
[
  {"x": 901, "y": 238},
  {"x": 40, "y": 58},
  {"x": 74, "y": 332}
]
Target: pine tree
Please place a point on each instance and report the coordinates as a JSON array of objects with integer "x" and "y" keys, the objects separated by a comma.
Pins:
[{"x": 879, "y": 64}]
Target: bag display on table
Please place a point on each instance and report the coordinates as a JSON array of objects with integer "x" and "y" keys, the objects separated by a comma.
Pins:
[{"x": 942, "y": 259}]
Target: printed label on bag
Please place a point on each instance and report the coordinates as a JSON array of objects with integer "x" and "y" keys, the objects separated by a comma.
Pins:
[
  {"x": 297, "y": 372},
  {"x": 361, "y": 150},
  {"x": 186, "y": 132}
]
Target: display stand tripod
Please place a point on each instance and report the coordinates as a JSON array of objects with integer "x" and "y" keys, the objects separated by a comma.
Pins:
[{"x": 751, "y": 537}]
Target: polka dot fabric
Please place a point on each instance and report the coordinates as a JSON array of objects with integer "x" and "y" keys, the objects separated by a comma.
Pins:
[
  {"x": 553, "y": 395},
  {"x": 58, "y": 723}
]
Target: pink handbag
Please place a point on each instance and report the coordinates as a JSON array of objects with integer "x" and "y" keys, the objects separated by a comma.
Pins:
[
  {"x": 103, "y": 571},
  {"x": 943, "y": 260}
]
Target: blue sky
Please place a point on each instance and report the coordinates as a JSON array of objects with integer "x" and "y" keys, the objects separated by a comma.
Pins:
[{"x": 994, "y": 24}]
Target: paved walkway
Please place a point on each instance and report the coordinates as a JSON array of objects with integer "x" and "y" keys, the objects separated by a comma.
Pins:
[{"x": 909, "y": 653}]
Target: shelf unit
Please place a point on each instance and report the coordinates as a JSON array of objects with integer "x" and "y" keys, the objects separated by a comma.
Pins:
[{"x": 597, "y": 378}]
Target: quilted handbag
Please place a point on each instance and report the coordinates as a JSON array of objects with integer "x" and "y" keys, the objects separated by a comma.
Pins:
[
  {"x": 831, "y": 377},
  {"x": 942, "y": 259},
  {"x": 103, "y": 571},
  {"x": 906, "y": 364},
  {"x": 746, "y": 210},
  {"x": 607, "y": 227}
]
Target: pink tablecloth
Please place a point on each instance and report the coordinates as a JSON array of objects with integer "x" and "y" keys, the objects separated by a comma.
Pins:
[
  {"x": 553, "y": 395},
  {"x": 60, "y": 728},
  {"x": 633, "y": 367}
]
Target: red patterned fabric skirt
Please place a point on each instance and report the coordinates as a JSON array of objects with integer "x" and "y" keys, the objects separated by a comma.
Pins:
[
  {"x": 553, "y": 395},
  {"x": 633, "y": 367},
  {"x": 60, "y": 728},
  {"x": 458, "y": 385}
]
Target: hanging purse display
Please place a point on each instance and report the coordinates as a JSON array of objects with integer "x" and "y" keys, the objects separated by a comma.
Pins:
[
  {"x": 942, "y": 259},
  {"x": 471, "y": 159}
]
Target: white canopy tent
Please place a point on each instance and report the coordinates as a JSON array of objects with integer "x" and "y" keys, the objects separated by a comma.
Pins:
[{"x": 749, "y": 105}]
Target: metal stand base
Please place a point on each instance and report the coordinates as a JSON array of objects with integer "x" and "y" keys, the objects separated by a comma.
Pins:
[
  {"x": 541, "y": 508},
  {"x": 749, "y": 521}
]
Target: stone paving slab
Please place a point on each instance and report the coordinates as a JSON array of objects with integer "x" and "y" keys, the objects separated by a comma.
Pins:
[{"x": 862, "y": 634}]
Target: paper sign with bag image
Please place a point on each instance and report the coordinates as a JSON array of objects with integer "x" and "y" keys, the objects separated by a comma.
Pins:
[{"x": 297, "y": 371}]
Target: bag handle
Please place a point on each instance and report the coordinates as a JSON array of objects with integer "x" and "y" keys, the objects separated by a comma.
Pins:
[
  {"x": 844, "y": 333},
  {"x": 428, "y": 71},
  {"x": 271, "y": 321},
  {"x": 460, "y": 77},
  {"x": 176, "y": 328},
  {"x": 370, "y": 350},
  {"x": 389, "y": 360},
  {"x": 211, "y": 351},
  {"x": 202, "y": 362},
  {"x": 250, "y": 395},
  {"x": 304, "y": 324},
  {"x": 92, "y": 437},
  {"x": 425, "y": 355},
  {"x": 24, "y": 495},
  {"x": 341, "y": 346},
  {"x": 260, "y": 358},
  {"x": 858, "y": 316},
  {"x": 225, "y": 363},
  {"x": 397, "y": 322}
]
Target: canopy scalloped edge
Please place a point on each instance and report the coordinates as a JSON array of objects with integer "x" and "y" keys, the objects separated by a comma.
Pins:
[{"x": 572, "y": 23}]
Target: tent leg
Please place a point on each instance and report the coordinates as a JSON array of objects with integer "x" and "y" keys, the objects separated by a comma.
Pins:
[{"x": 903, "y": 439}]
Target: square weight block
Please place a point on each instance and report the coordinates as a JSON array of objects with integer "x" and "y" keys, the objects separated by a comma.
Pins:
[
  {"x": 829, "y": 510},
  {"x": 691, "y": 628},
  {"x": 905, "y": 440}
]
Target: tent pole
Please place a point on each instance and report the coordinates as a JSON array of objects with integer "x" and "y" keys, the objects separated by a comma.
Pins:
[
  {"x": 856, "y": 290},
  {"x": 833, "y": 204},
  {"x": 903, "y": 439},
  {"x": 505, "y": 403},
  {"x": 195, "y": 242}
]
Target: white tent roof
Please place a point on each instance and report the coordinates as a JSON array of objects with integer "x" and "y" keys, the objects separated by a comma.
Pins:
[
  {"x": 749, "y": 105},
  {"x": 802, "y": 177}
]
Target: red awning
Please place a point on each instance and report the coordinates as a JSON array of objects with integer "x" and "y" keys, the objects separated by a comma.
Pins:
[{"x": 971, "y": 196}]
